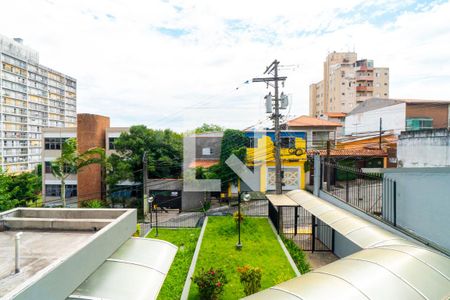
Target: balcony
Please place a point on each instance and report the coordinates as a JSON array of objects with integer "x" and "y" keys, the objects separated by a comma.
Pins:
[
  {"x": 364, "y": 78},
  {"x": 364, "y": 88}
]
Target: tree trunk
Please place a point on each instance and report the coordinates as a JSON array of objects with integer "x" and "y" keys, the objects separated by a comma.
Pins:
[{"x": 63, "y": 192}]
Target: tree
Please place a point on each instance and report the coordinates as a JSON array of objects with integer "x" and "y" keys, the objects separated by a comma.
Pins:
[
  {"x": 71, "y": 161},
  {"x": 164, "y": 153},
  {"x": 18, "y": 190},
  {"x": 208, "y": 128}
]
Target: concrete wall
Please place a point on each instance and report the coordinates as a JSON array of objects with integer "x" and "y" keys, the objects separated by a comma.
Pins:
[
  {"x": 192, "y": 200},
  {"x": 424, "y": 148},
  {"x": 393, "y": 118},
  {"x": 343, "y": 246},
  {"x": 423, "y": 202}
]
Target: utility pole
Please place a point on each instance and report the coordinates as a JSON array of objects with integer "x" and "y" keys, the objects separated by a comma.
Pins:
[
  {"x": 381, "y": 124},
  {"x": 144, "y": 183},
  {"x": 273, "y": 69}
]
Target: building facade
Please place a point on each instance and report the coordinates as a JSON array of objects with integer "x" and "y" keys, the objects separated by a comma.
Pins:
[
  {"x": 346, "y": 82},
  {"x": 32, "y": 97},
  {"x": 397, "y": 115},
  {"x": 92, "y": 131},
  {"x": 260, "y": 157}
]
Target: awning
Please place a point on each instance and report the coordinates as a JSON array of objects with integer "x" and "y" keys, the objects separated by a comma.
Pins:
[
  {"x": 389, "y": 267},
  {"x": 135, "y": 271},
  {"x": 281, "y": 200}
]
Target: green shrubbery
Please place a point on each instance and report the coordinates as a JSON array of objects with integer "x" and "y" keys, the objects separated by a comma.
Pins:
[
  {"x": 210, "y": 283},
  {"x": 250, "y": 278},
  {"x": 95, "y": 203},
  {"x": 297, "y": 255}
]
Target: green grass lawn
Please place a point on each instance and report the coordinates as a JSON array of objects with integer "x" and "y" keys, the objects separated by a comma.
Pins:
[
  {"x": 186, "y": 240},
  {"x": 260, "y": 249}
]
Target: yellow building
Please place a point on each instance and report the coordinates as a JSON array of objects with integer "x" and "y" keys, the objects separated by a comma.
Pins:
[{"x": 261, "y": 158}]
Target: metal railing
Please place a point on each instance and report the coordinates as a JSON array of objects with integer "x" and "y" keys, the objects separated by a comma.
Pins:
[
  {"x": 353, "y": 186},
  {"x": 369, "y": 192}
]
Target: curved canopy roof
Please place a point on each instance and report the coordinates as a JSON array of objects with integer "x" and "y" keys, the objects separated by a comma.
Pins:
[
  {"x": 388, "y": 267},
  {"x": 135, "y": 271}
]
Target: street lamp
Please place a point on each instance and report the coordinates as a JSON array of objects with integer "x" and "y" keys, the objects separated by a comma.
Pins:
[
  {"x": 246, "y": 197},
  {"x": 151, "y": 199}
]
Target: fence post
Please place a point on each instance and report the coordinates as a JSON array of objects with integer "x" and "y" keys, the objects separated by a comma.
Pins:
[
  {"x": 395, "y": 203},
  {"x": 313, "y": 233},
  {"x": 296, "y": 220},
  {"x": 346, "y": 186},
  {"x": 332, "y": 239}
]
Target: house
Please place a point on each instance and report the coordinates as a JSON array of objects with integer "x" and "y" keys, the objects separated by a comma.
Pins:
[
  {"x": 397, "y": 115},
  {"x": 318, "y": 131},
  {"x": 336, "y": 117},
  {"x": 261, "y": 159}
]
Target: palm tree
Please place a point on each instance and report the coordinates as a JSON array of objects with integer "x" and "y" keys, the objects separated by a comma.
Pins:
[{"x": 71, "y": 161}]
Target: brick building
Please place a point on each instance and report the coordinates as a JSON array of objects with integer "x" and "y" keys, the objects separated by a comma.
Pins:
[{"x": 91, "y": 131}]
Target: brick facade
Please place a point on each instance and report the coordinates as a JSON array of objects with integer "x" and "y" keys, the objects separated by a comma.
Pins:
[
  {"x": 91, "y": 133},
  {"x": 439, "y": 112}
]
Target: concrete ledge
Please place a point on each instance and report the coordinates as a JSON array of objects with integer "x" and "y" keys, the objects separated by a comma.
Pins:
[
  {"x": 56, "y": 223},
  {"x": 187, "y": 283}
]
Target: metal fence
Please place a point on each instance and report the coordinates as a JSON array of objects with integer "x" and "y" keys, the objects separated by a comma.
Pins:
[
  {"x": 168, "y": 218},
  {"x": 353, "y": 186},
  {"x": 300, "y": 226}
]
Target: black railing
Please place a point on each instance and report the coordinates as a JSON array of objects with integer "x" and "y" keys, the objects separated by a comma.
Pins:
[
  {"x": 353, "y": 186},
  {"x": 307, "y": 231},
  {"x": 169, "y": 218}
]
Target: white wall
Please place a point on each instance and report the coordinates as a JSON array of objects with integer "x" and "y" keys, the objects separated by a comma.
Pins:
[
  {"x": 394, "y": 118},
  {"x": 424, "y": 148}
]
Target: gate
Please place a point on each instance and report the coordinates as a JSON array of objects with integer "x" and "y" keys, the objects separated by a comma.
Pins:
[{"x": 299, "y": 225}]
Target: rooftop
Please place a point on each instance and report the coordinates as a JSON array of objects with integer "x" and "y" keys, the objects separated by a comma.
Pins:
[
  {"x": 335, "y": 114},
  {"x": 307, "y": 121},
  {"x": 51, "y": 240},
  {"x": 39, "y": 249}
]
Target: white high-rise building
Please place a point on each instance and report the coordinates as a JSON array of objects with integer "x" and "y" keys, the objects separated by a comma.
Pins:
[{"x": 32, "y": 97}]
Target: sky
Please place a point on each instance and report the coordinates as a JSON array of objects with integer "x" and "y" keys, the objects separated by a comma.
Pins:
[{"x": 178, "y": 64}]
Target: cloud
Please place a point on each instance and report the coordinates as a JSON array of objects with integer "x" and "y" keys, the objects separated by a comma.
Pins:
[{"x": 177, "y": 64}]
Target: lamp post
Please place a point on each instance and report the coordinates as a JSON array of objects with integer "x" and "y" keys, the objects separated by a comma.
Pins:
[
  {"x": 151, "y": 199},
  {"x": 246, "y": 197}
]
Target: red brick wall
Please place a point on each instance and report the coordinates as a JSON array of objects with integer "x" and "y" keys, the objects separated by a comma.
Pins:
[
  {"x": 90, "y": 133},
  {"x": 439, "y": 113}
]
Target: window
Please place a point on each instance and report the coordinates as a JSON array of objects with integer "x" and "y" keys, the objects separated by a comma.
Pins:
[
  {"x": 377, "y": 74},
  {"x": 67, "y": 169},
  {"x": 206, "y": 151},
  {"x": 385, "y": 83},
  {"x": 419, "y": 123},
  {"x": 54, "y": 190},
  {"x": 287, "y": 142},
  {"x": 111, "y": 141},
  {"x": 48, "y": 167},
  {"x": 54, "y": 143},
  {"x": 252, "y": 142}
]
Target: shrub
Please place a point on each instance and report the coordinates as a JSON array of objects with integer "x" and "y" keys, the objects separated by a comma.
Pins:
[
  {"x": 250, "y": 279},
  {"x": 210, "y": 283},
  {"x": 297, "y": 255},
  {"x": 95, "y": 203},
  {"x": 138, "y": 231},
  {"x": 236, "y": 216}
]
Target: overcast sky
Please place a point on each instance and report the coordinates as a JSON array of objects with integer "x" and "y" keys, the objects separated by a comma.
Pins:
[{"x": 178, "y": 64}]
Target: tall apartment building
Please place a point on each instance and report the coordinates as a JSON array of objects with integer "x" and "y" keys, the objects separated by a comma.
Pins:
[
  {"x": 346, "y": 82},
  {"x": 32, "y": 97}
]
